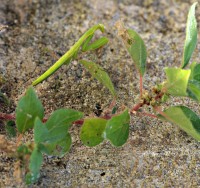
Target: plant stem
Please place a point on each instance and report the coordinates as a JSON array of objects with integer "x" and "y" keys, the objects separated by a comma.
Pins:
[
  {"x": 147, "y": 114},
  {"x": 136, "y": 107},
  {"x": 19, "y": 139},
  {"x": 159, "y": 110},
  {"x": 112, "y": 104},
  {"x": 78, "y": 122},
  {"x": 4, "y": 116},
  {"x": 159, "y": 96}
]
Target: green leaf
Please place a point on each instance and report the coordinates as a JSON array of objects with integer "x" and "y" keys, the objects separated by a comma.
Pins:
[
  {"x": 59, "y": 123},
  {"x": 63, "y": 116},
  {"x": 117, "y": 129},
  {"x": 114, "y": 110},
  {"x": 10, "y": 129},
  {"x": 91, "y": 131},
  {"x": 137, "y": 50},
  {"x": 185, "y": 118},
  {"x": 53, "y": 137},
  {"x": 193, "y": 88},
  {"x": 96, "y": 44},
  {"x": 34, "y": 167},
  {"x": 177, "y": 81},
  {"x": 97, "y": 72},
  {"x": 29, "y": 107},
  {"x": 195, "y": 71},
  {"x": 40, "y": 131},
  {"x": 135, "y": 46},
  {"x": 23, "y": 150},
  {"x": 191, "y": 36},
  {"x": 164, "y": 98},
  {"x": 59, "y": 148},
  {"x": 63, "y": 146}
]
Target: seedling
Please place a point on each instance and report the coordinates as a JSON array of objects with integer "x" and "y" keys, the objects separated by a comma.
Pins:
[{"x": 51, "y": 135}]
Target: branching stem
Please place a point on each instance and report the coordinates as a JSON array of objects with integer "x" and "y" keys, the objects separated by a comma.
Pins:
[{"x": 135, "y": 108}]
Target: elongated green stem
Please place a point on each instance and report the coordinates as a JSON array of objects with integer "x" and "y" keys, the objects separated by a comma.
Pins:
[{"x": 69, "y": 54}]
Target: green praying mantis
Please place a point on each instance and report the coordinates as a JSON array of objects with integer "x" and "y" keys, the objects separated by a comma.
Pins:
[{"x": 82, "y": 44}]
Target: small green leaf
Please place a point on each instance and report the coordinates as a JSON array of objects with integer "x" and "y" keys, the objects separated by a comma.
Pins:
[
  {"x": 97, "y": 72},
  {"x": 137, "y": 50},
  {"x": 63, "y": 116},
  {"x": 185, "y": 118},
  {"x": 28, "y": 179},
  {"x": 29, "y": 107},
  {"x": 59, "y": 123},
  {"x": 195, "y": 71},
  {"x": 11, "y": 129},
  {"x": 117, "y": 129},
  {"x": 91, "y": 131},
  {"x": 135, "y": 46},
  {"x": 53, "y": 137},
  {"x": 193, "y": 88},
  {"x": 59, "y": 148},
  {"x": 23, "y": 150},
  {"x": 177, "y": 81},
  {"x": 114, "y": 110},
  {"x": 191, "y": 36},
  {"x": 164, "y": 98},
  {"x": 63, "y": 146},
  {"x": 40, "y": 131},
  {"x": 96, "y": 44},
  {"x": 34, "y": 167}
]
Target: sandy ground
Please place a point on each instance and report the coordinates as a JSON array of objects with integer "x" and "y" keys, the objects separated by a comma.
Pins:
[{"x": 157, "y": 154}]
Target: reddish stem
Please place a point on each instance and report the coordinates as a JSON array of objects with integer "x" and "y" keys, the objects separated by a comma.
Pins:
[
  {"x": 4, "y": 116},
  {"x": 19, "y": 139},
  {"x": 112, "y": 104},
  {"x": 159, "y": 96},
  {"x": 7, "y": 116},
  {"x": 78, "y": 122},
  {"x": 158, "y": 109},
  {"x": 44, "y": 119},
  {"x": 136, "y": 107},
  {"x": 81, "y": 121},
  {"x": 147, "y": 114}
]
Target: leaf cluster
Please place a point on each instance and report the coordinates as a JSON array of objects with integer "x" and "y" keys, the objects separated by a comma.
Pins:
[{"x": 51, "y": 137}]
